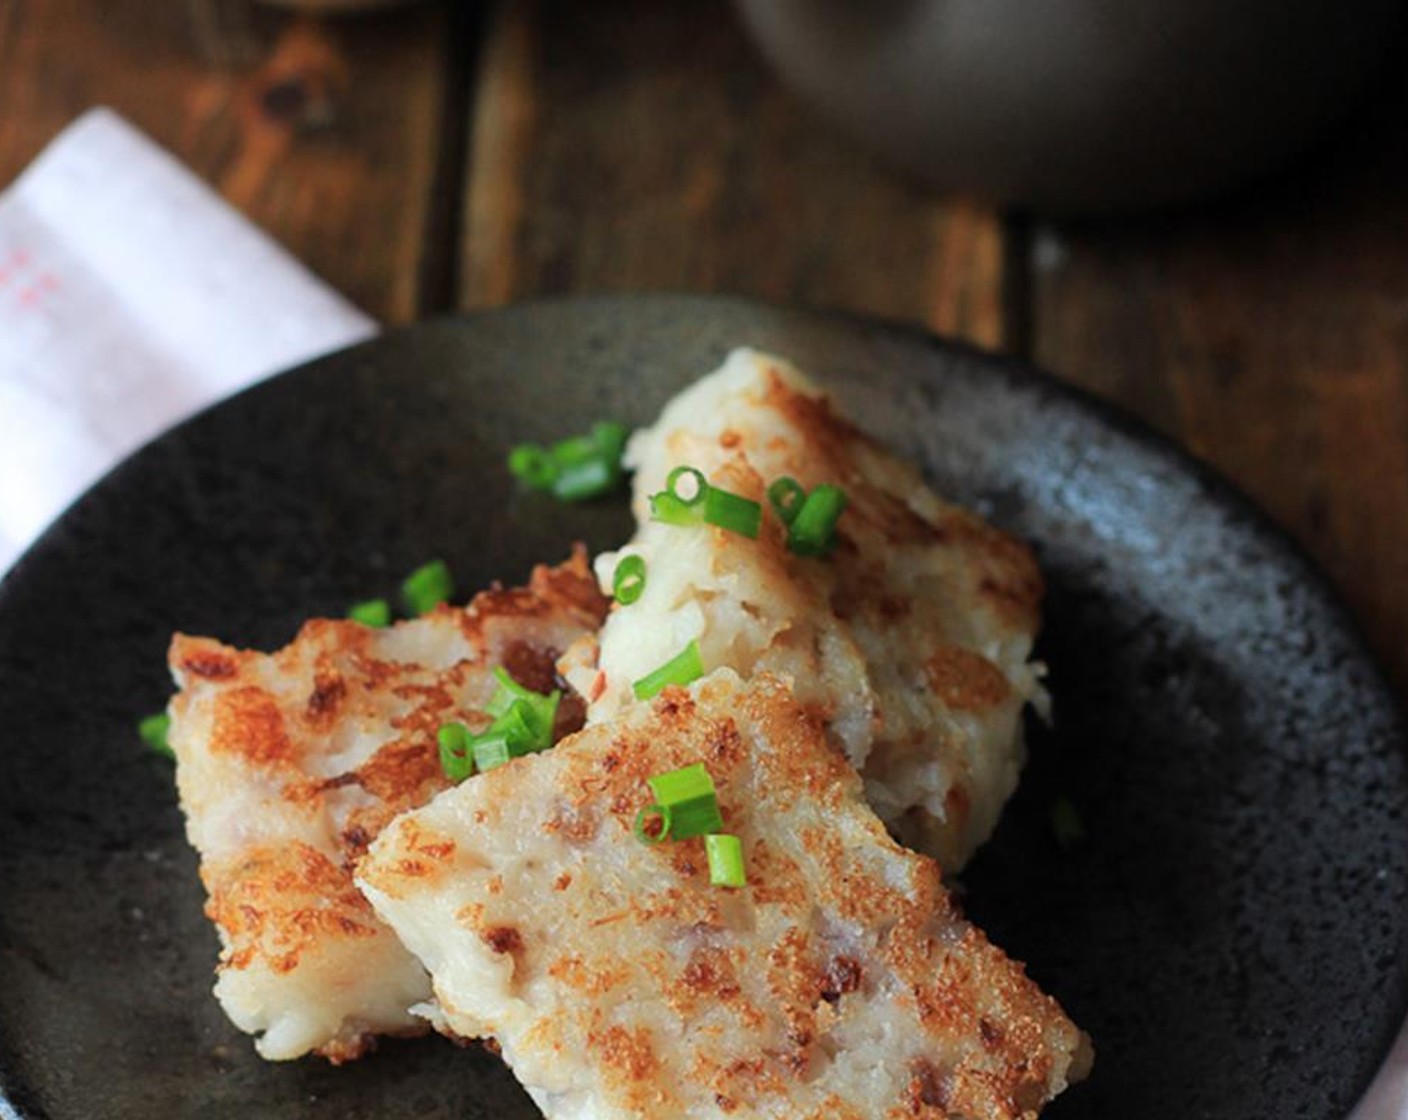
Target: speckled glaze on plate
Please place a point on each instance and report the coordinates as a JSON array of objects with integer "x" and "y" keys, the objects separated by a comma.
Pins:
[{"x": 1229, "y": 932}]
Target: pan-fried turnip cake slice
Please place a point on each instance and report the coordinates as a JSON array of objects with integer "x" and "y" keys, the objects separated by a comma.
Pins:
[
  {"x": 289, "y": 764},
  {"x": 911, "y": 639},
  {"x": 840, "y": 983}
]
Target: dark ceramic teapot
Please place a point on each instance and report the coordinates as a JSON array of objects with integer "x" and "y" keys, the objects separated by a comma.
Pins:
[{"x": 1073, "y": 105}]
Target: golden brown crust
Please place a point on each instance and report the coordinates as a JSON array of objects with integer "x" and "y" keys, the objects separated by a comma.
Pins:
[
  {"x": 312, "y": 750},
  {"x": 1010, "y": 581},
  {"x": 276, "y": 902},
  {"x": 966, "y": 680},
  {"x": 837, "y": 451},
  {"x": 759, "y": 991},
  {"x": 832, "y": 449},
  {"x": 248, "y": 723}
]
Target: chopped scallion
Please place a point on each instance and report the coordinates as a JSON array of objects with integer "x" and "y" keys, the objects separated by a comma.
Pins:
[
  {"x": 813, "y": 530},
  {"x": 682, "y": 669},
  {"x": 687, "y": 485},
  {"x": 665, "y": 507},
  {"x": 576, "y": 468},
  {"x": 577, "y": 482},
  {"x": 523, "y": 724},
  {"x": 533, "y": 466},
  {"x": 733, "y": 512},
  {"x": 725, "y": 854},
  {"x": 786, "y": 496},
  {"x": 572, "y": 450},
  {"x": 372, "y": 612},
  {"x": 520, "y": 729},
  {"x": 506, "y": 691},
  {"x": 683, "y": 500},
  {"x": 525, "y": 716},
  {"x": 428, "y": 586},
  {"x": 153, "y": 730},
  {"x": 610, "y": 437},
  {"x": 644, "y": 818},
  {"x": 490, "y": 752},
  {"x": 688, "y": 499},
  {"x": 456, "y": 755},
  {"x": 628, "y": 581},
  {"x": 689, "y": 794},
  {"x": 583, "y": 469}
]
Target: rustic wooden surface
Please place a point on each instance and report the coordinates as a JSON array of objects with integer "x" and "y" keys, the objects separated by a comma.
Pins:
[
  {"x": 460, "y": 155},
  {"x": 631, "y": 144},
  {"x": 325, "y": 132},
  {"x": 1269, "y": 334}
]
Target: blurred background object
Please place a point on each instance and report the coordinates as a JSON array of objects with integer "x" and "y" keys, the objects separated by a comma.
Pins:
[{"x": 1083, "y": 105}]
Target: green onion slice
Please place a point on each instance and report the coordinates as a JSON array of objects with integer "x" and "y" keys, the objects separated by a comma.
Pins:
[
  {"x": 684, "y": 499},
  {"x": 428, "y": 586},
  {"x": 490, "y": 752},
  {"x": 153, "y": 730},
  {"x": 587, "y": 478},
  {"x": 643, "y": 821},
  {"x": 456, "y": 753},
  {"x": 527, "y": 717},
  {"x": 813, "y": 530},
  {"x": 688, "y": 499},
  {"x": 576, "y": 468},
  {"x": 725, "y": 854},
  {"x": 507, "y": 691},
  {"x": 372, "y": 612},
  {"x": 689, "y": 795},
  {"x": 519, "y": 728},
  {"x": 678, "y": 485},
  {"x": 665, "y": 507},
  {"x": 533, "y": 466},
  {"x": 733, "y": 512},
  {"x": 573, "y": 450},
  {"x": 523, "y": 724},
  {"x": 610, "y": 437},
  {"x": 628, "y": 581},
  {"x": 786, "y": 497},
  {"x": 682, "y": 669},
  {"x": 584, "y": 468}
]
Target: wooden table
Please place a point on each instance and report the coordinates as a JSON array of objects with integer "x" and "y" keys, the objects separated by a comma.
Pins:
[{"x": 451, "y": 156}]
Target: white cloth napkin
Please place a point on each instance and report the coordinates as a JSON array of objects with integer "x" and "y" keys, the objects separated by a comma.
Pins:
[
  {"x": 131, "y": 296},
  {"x": 1387, "y": 1098}
]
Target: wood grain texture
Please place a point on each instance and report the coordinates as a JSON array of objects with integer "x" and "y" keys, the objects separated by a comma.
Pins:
[
  {"x": 324, "y": 131},
  {"x": 1270, "y": 334},
  {"x": 630, "y": 145}
]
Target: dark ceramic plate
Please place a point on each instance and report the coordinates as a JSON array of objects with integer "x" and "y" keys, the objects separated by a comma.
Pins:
[{"x": 1229, "y": 932}]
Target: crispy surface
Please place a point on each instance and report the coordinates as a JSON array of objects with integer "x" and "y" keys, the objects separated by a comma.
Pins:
[
  {"x": 842, "y": 982},
  {"x": 290, "y": 764},
  {"x": 911, "y": 641}
]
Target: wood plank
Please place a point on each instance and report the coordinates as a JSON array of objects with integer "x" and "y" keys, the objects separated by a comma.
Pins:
[
  {"x": 630, "y": 145},
  {"x": 1268, "y": 333},
  {"x": 323, "y": 131}
]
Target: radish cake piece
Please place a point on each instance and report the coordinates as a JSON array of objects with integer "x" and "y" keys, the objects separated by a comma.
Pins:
[
  {"x": 289, "y": 764},
  {"x": 841, "y": 982},
  {"x": 911, "y": 638}
]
